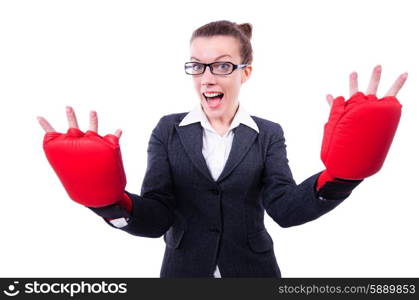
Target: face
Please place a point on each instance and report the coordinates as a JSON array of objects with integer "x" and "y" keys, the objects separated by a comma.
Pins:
[{"x": 218, "y": 48}]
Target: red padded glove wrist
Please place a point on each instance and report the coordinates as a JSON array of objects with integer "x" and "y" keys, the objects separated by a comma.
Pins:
[
  {"x": 322, "y": 179},
  {"x": 126, "y": 202}
]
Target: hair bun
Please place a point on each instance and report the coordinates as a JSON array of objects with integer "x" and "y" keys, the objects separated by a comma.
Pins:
[{"x": 246, "y": 28}]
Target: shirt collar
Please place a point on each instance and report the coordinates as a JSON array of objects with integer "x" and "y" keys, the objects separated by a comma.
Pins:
[{"x": 198, "y": 115}]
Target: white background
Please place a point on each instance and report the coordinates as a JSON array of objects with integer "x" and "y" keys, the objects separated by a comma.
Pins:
[{"x": 125, "y": 60}]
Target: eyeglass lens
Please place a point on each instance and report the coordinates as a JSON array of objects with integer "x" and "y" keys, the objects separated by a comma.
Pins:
[{"x": 220, "y": 68}]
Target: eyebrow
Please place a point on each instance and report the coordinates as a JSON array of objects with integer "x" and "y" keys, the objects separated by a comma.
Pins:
[{"x": 214, "y": 59}]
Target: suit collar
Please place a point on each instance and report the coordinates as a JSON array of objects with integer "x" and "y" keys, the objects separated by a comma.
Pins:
[
  {"x": 191, "y": 139},
  {"x": 198, "y": 115}
]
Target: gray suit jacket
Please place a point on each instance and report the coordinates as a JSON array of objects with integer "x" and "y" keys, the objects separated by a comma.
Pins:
[{"x": 207, "y": 222}]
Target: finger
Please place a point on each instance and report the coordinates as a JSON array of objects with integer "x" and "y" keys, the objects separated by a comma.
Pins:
[
  {"x": 118, "y": 133},
  {"x": 329, "y": 99},
  {"x": 397, "y": 85},
  {"x": 71, "y": 117},
  {"x": 353, "y": 83},
  {"x": 45, "y": 125},
  {"x": 93, "y": 124},
  {"x": 374, "y": 81}
]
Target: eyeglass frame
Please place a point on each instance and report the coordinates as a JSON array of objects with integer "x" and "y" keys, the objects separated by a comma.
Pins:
[{"x": 235, "y": 67}]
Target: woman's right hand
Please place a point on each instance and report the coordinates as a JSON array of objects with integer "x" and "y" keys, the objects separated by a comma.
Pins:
[{"x": 89, "y": 166}]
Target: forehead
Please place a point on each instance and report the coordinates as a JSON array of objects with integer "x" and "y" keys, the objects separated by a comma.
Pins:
[{"x": 209, "y": 48}]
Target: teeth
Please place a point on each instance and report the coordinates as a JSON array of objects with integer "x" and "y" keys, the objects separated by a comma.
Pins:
[{"x": 209, "y": 95}]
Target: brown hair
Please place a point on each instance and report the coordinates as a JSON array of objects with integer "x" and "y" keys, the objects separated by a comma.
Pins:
[{"x": 242, "y": 32}]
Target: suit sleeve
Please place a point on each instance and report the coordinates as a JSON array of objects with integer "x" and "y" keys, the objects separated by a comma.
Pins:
[
  {"x": 152, "y": 211},
  {"x": 287, "y": 203}
]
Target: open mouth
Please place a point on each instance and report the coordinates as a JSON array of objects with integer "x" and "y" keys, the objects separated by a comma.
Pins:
[{"x": 213, "y": 98}]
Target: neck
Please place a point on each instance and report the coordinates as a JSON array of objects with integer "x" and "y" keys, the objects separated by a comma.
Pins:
[{"x": 224, "y": 120}]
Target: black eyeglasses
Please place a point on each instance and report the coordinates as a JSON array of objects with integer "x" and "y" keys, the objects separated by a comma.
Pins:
[{"x": 216, "y": 68}]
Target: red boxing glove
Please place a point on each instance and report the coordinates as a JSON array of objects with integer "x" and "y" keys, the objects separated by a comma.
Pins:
[
  {"x": 357, "y": 136},
  {"x": 89, "y": 166}
]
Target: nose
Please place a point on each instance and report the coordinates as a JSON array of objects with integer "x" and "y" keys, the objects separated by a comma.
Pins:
[{"x": 207, "y": 77}]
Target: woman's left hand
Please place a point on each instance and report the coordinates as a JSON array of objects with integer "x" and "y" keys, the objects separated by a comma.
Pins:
[{"x": 373, "y": 85}]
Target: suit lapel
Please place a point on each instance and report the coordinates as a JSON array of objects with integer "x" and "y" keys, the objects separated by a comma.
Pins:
[
  {"x": 243, "y": 139},
  {"x": 191, "y": 139}
]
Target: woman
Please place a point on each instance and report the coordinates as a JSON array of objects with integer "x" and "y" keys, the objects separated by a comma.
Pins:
[{"x": 212, "y": 172}]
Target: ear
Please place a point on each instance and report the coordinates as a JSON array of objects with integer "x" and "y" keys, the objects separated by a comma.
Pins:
[{"x": 247, "y": 71}]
